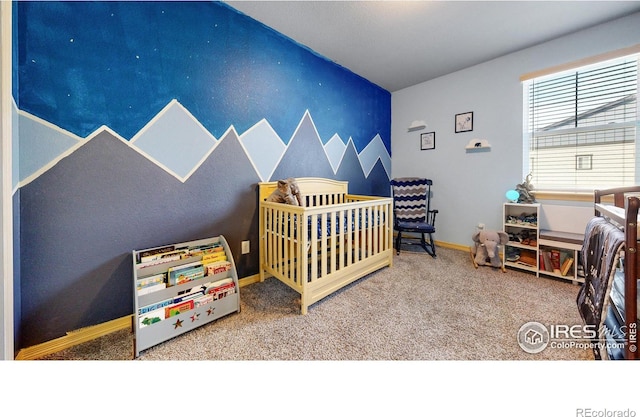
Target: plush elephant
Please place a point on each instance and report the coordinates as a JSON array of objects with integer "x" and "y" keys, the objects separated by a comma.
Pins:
[{"x": 486, "y": 246}]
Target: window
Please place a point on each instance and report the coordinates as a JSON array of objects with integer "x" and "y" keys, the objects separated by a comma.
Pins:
[
  {"x": 583, "y": 162},
  {"x": 581, "y": 127}
]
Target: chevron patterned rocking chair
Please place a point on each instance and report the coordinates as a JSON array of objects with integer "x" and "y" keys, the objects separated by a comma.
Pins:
[{"x": 412, "y": 212}]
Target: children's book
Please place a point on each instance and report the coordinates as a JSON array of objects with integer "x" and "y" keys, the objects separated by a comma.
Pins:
[
  {"x": 151, "y": 280},
  {"x": 161, "y": 258},
  {"x": 214, "y": 257},
  {"x": 151, "y": 317},
  {"x": 151, "y": 288},
  {"x": 566, "y": 266},
  {"x": 555, "y": 261},
  {"x": 156, "y": 306},
  {"x": 175, "y": 309},
  {"x": 185, "y": 273},
  {"x": 153, "y": 254},
  {"x": 219, "y": 267},
  {"x": 202, "y": 300},
  {"x": 221, "y": 291}
]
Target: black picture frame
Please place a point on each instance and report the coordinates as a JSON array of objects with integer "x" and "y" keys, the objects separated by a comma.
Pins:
[
  {"x": 464, "y": 122},
  {"x": 427, "y": 141}
]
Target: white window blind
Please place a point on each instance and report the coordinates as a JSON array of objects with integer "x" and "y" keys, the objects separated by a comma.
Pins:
[{"x": 581, "y": 127}]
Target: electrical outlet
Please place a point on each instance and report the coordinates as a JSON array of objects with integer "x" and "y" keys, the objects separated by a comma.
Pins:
[{"x": 246, "y": 248}]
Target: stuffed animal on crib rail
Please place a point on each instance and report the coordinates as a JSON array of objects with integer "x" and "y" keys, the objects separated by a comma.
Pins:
[
  {"x": 485, "y": 250},
  {"x": 287, "y": 193}
]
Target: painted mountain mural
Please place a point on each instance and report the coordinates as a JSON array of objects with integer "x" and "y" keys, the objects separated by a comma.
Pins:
[
  {"x": 132, "y": 132},
  {"x": 178, "y": 143},
  {"x": 131, "y": 194},
  {"x": 133, "y": 203}
]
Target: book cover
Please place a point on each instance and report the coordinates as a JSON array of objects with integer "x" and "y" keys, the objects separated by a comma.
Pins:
[
  {"x": 151, "y": 280},
  {"x": 151, "y": 317},
  {"x": 214, "y": 257},
  {"x": 151, "y": 254},
  {"x": 566, "y": 266},
  {"x": 548, "y": 266},
  {"x": 156, "y": 306},
  {"x": 205, "y": 249},
  {"x": 190, "y": 294},
  {"x": 222, "y": 290},
  {"x": 185, "y": 273},
  {"x": 151, "y": 288},
  {"x": 212, "y": 285},
  {"x": 555, "y": 260},
  {"x": 176, "y": 309},
  {"x": 202, "y": 300},
  {"x": 219, "y": 267},
  {"x": 200, "y": 288},
  {"x": 162, "y": 258}
]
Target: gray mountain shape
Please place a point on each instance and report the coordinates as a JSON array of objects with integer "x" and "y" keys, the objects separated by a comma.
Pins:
[
  {"x": 308, "y": 160},
  {"x": 305, "y": 155},
  {"x": 77, "y": 269},
  {"x": 103, "y": 211}
]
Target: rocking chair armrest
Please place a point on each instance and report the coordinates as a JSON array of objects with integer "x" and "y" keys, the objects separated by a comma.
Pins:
[{"x": 431, "y": 216}]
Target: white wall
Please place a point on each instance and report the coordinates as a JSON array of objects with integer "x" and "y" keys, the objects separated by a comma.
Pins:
[
  {"x": 6, "y": 212},
  {"x": 469, "y": 187}
]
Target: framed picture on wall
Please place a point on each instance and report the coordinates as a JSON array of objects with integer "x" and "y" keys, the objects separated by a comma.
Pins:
[
  {"x": 428, "y": 141},
  {"x": 464, "y": 122}
]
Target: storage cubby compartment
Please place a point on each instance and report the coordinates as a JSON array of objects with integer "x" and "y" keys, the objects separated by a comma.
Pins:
[{"x": 521, "y": 224}]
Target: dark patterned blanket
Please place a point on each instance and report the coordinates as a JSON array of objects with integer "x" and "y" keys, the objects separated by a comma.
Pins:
[{"x": 601, "y": 248}]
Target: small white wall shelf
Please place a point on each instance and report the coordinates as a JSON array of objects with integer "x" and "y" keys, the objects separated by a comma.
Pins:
[{"x": 477, "y": 144}]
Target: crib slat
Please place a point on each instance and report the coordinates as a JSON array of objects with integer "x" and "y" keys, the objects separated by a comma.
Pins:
[
  {"x": 369, "y": 225},
  {"x": 323, "y": 244},
  {"x": 301, "y": 253},
  {"x": 270, "y": 237},
  {"x": 292, "y": 248},
  {"x": 314, "y": 246},
  {"x": 349, "y": 219},
  {"x": 286, "y": 242},
  {"x": 280, "y": 217},
  {"x": 357, "y": 253},
  {"x": 334, "y": 231},
  {"x": 341, "y": 241},
  {"x": 375, "y": 224}
]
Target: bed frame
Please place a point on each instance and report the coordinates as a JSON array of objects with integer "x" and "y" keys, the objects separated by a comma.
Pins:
[
  {"x": 317, "y": 261},
  {"x": 620, "y": 206}
]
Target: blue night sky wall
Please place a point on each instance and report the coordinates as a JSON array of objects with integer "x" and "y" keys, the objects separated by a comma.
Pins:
[{"x": 119, "y": 63}]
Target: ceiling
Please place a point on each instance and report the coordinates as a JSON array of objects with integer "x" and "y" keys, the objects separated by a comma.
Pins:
[{"x": 397, "y": 44}]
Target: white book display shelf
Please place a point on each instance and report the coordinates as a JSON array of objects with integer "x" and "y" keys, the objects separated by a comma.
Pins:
[{"x": 180, "y": 287}]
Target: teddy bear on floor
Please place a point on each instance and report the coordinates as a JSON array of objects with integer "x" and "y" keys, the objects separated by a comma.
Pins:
[{"x": 486, "y": 247}]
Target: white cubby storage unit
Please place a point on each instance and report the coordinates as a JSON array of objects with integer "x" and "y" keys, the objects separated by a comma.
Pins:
[
  {"x": 545, "y": 239},
  {"x": 191, "y": 295},
  {"x": 521, "y": 224}
]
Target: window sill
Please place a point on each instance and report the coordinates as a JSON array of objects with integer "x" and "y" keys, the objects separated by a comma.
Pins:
[{"x": 564, "y": 196}]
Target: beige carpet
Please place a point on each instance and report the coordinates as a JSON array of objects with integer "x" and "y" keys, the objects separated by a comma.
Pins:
[{"x": 420, "y": 309}]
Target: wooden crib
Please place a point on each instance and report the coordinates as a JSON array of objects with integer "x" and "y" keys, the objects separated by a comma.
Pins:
[{"x": 334, "y": 240}]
